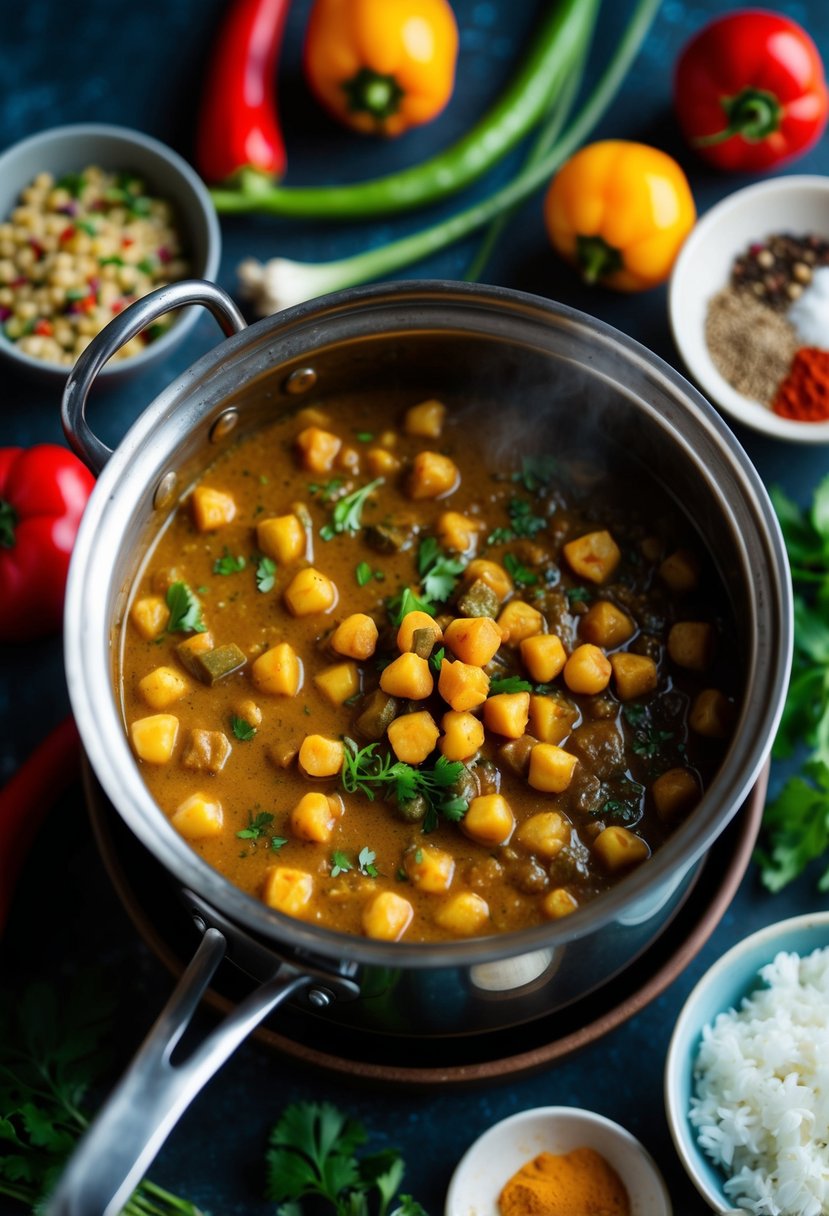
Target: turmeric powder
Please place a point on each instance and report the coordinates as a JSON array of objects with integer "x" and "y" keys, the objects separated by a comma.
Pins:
[{"x": 579, "y": 1183}]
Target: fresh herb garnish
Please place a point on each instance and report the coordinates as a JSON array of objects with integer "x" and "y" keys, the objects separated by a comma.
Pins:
[
  {"x": 438, "y": 571},
  {"x": 520, "y": 574},
  {"x": 277, "y": 842},
  {"x": 340, "y": 863},
  {"x": 265, "y": 574},
  {"x": 367, "y": 772},
  {"x": 648, "y": 739},
  {"x": 404, "y": 603},
  {"x": 363, "y": 573},
  {"x": 522, "y": 523},
  {"x": 312, "y": 1153},
  {"x": 436, "y": 659},
  {"x": 256, "y": 826},
  {"x": 185, "y": 610},
  {"x": 228, "y": 564},
  {"x": 508, "y": 684},
  {"x": 364, "y": 436},
  {"x": 577, "y": 595},
  {"x": 347, "y": 515},
  {"x": 242, "y": 729},
  {"x": 327, "y": 490},
  {"x": 537, "y": 472},
  {"x": 365, "y": 862}
]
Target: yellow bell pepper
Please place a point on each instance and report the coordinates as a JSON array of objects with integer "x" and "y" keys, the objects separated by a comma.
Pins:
[
  {"x": 620, "y": 211},
  {"x": 382, "y": 66}
]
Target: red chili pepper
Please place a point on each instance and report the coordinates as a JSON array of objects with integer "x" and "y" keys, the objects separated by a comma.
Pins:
[
  {"x": 28, "y": 795},
  {"x": 238, "y": 124},
  {"x": 750, "y": 92},
  {"x": 44, "y": 328},
  {"x": 43, "y": 491}
]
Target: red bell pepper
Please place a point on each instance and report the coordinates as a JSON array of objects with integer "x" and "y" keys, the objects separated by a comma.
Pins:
[
  {"x": 238, "y": 122},
  {"x": 750, "y": 92},
  {"x": 43, "y": 491}
]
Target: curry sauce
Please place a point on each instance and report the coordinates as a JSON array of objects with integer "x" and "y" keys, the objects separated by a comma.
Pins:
[{"x": 392, "y": 683}]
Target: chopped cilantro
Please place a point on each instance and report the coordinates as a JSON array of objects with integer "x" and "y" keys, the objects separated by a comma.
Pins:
[
  {"x": 347, "y": 516},
  {"x": 366, "y": 772},
  {"x": 365, "y": 862},
  {"x": 520, "y": 575},
  {"x": 363, "y": 573},
  {"x": 406, "y": 602},
  {"x": 185, "y": 610},
  {"x": 256, "y": 825},
  {"x": 436, "y": 659},
  {"x": 500, "y": 684},
  {"x": 522, "y": 523},
  {"x": 340, "y": 863},
  {"x": 363, "y": 436},
  {"x": 242, "y": 729},
  {"x": 228, "y": 564},
  {"x": 537, "y": 472},
  {"x": 265, "y": 574},
  {"x": 577, "y": 595},
  {"x": 327, "y": 490},
  {"x": 438, "y": 571}
]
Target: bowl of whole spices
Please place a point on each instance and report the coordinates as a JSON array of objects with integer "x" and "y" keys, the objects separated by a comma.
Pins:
[{"x": 749, "y": 306}]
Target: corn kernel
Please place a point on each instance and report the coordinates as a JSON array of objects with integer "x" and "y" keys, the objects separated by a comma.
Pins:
[
  {"x": 557, "y": 903},
  {"x": 278, "y": 671},
  {"x": 287, "y": 890},
  {"x": 162, "y": 687},
  {"x": 198, "y": 817},
  {"x": 551, "y": 768},
  {"x": 310, "y": 592},
  {"x": 154, "y": 738}
]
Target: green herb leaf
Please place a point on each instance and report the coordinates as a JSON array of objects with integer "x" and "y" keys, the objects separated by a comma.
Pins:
[
  {"x": 328, "y": 490},
  {"x": 185, "y": 610},
  {"x": 367, "y": 772},
  {"x": 363, "y": 436},
  {"x": 436, "y": 659},
  {"x": 508, "y": 684},
  {"x": 404, "y": 603},
  {"x": 242, "y": 729},
  {"x": 795, "y": 828},
  {"x": 439, "y": 572},
  {"x": 277, "y": 842},
  {"x": 265, "y": 574},
  {"x": 363, "y": 574},
  {"x": 347, "y": 516},
  {"x": 522, "y": 523},
  {"x": 577, "y": 595},
  {"x": 537, "y": 472},
  {"x": 256, "y": 826},
  {"x": 520, "y": 574},
  {"x": 365, "y": 863},
  {"x": 312, "y": 1153},
  {"x": 228, "y": 564},
  {"x": 340, "y": 863}
]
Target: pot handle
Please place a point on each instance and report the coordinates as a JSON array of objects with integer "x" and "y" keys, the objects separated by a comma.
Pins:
[
  {"x": 148, "y": 1101},
  {"x": 114, "y": 335}
]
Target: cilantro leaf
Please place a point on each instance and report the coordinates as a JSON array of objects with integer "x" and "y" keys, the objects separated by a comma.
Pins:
[
  {"x": 256, "y": 825},
  {"x": 312, "y": 1153},
  {"x": 347, "y": 516},
  {"x": 522, "y": 523},
  {"x": 340, "y": 863},
  {"x": 520, "y": 574},
  {"x": 439, "y": 572},
  {"x": 366, "y": 771},
  {"x": 265, "y": 574},
  {"x": 577, "y": 595},
  {"x": 185, "y": 610},
  {"x": 436, "y": 659},
  {"x": 363, "y": 574},
  {"x": 242, "y": 729},
  {"x": 508, "y": 684},
  {"x": 537, "y": 472},
  {"x": 795, "y": 828},
  {"x": 228, "y": 564},
  {"x": 365, "y": 863},
  {"x": 404, "y": 603},
  {"x": 327, "y": 490}
]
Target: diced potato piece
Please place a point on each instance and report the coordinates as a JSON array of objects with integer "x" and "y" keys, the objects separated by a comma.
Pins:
[
  {"x": 459, "y": 533},
  {"x": 691, "y": 644},
  {"x": 506, "y": 713},
  {"x": 489, "y": 820},
  {"x": 461, "y": 685},
  {"x": 606, "y": 625},
  {"x": 282, "y": 538},
  {"x": 544, "y": 656},
  {"x": 409, "y": 677},
  {"x": 198, "y": 817},
  {"x": 150, "y": 616},
  {"x": 355, "y": 637},
  {"x": 248, "y": 711},
  {"x": 312, "y": 415},
  {"x": 544, "y": 834},
  {"x": 214, "y": 665},
  {"x": 433, "y": 476},
  {"x": 413, "y": 621},
  {"x": 382, "y": 463},
  {"x": 587, "y": 670},
  {"x": 206, "y": 750},
  {"x": 491, "y": 573},
  {"x": 211, "y": 508},
  {"x": 429, "y": 869},
  {"x": 425, "y": 420},
  {"x": 376, "y": 712},
  {"x": 475, "y": 640},
  {"x": 191, "y": 649},
  {"x": 309, "y": 592},
  {"x": 287, "y": 890},
  {"x": 557, "y": 903},
  {"x": 675, "y": 793},
  {"x": 634, "y": 675},
  {"x": 463, "y": 735},
  {"x": 463, "y": 914},
  {"x": 519, "y": 621},
  {"x": 283, "y": 752},
  {"x": 320, "y": 756},
  {"x": 680, "y": 571},
  {"x": 711, "y": 714},
  {"x": 315, "y": 816},
  {"x": 551, "y": 768},
  {"x": 154, "y": 738},
  {"x": 413, "y": 736},
  {"x": 618, "y": 849},
  {"x": 278, "y": 671},
  {"x": 161, "y": 687},
  {"x": 317, "y": 449},
  {"x": 387, "y": 917},
  {"x": 551, "y": 718},
  {"x": 594, "y": 556},
  {"x": 339, "y": 682}
]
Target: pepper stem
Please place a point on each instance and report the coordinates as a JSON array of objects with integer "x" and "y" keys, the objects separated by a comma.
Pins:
[
  {"x": 368, "y": 92},
  {"x": 8, "y": 518},
  {"x": 752, "y": 113},
  {"x": 596, "y": 259}
]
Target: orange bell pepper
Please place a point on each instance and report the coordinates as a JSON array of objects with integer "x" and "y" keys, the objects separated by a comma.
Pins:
[
  {"x": 382, "y": 66},
  {"x": 620, "y": 211}
]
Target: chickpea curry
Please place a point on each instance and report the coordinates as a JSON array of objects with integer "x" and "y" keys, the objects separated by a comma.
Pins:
[{"x": 394, "y": 686}]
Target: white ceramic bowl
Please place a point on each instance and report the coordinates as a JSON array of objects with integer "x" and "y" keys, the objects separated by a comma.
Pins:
[
  {"x": 504, "y": 1148},
  {"x": 722, "y": 987},
  {"x": 797, "y": 204},
  {"x": 62, "y": 150}
]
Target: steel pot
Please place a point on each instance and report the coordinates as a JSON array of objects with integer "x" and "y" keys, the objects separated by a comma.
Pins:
[{"x": 549, "y": 366}]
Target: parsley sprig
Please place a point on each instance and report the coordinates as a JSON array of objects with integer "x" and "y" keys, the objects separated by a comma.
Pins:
[
  {"x": 185, "y": 610},
  {"x": 313, "y": 1153},
  {"x": 347, "y": 515},
  {"x": 438, "y": 571},
  {"x": 368, "y": 772}
]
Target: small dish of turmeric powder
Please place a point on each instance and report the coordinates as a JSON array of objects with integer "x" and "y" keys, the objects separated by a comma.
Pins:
[{"x": 557, "y": 1161}]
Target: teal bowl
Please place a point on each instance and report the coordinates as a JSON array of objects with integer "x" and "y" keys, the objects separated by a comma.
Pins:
[{"x": 723, "y": 987}]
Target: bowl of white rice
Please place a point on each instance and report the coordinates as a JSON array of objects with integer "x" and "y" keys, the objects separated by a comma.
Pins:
[{"x": 747, "y": 1074}]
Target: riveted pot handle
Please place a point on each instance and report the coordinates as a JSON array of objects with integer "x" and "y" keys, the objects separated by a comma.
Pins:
[
  {"x": 142, "y": 1110},
  {"x": 116, "y": 334}
]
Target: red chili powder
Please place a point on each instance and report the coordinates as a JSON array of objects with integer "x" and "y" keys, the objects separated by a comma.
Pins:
[{"x": 804, "y": 394}]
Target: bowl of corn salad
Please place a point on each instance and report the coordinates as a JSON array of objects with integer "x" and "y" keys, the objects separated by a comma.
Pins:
[{"x": 92, "y": 217}]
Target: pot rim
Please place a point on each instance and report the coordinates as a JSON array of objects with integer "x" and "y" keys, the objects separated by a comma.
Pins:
[{"x": 105, "y": 740}]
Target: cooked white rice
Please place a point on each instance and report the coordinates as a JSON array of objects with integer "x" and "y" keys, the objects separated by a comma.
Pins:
[{"x": 761, "y": 1080}]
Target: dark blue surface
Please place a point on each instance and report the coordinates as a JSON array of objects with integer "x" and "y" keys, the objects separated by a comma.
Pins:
[{"x": 140, "y": 65}]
